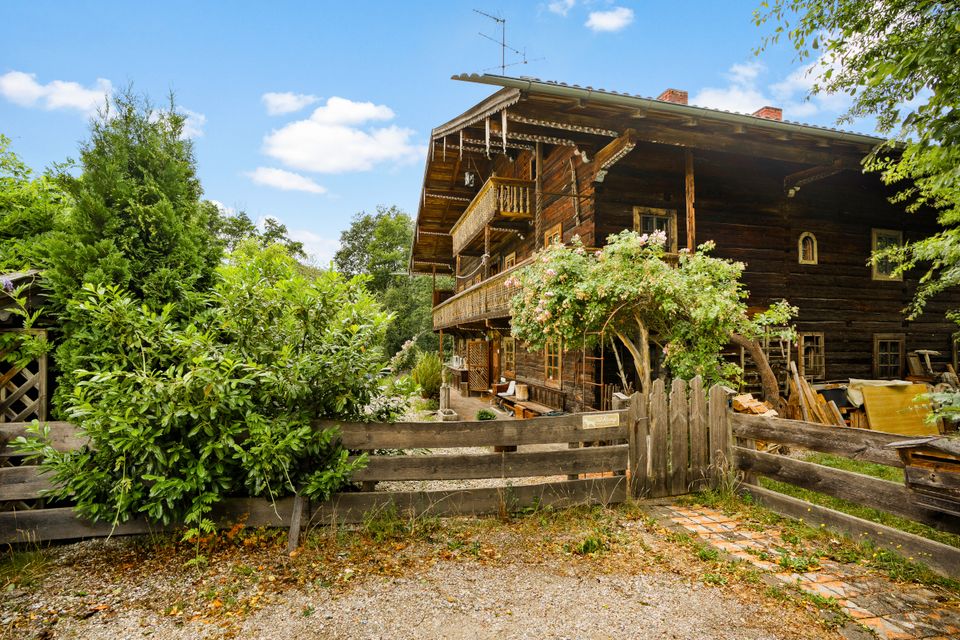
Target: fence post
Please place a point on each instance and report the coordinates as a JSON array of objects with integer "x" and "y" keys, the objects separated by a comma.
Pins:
[
  {"x": 699, "y": 446},
  {"x": 679, "y": 432},
  {"x": 659, "y": 418},
  {"x": 637, "y": 443},
  {"x": 721, "y": 454}
]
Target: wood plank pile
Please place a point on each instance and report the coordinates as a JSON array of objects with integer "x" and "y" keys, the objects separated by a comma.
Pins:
[
  {"x": 746, "y": 403},
  {"x": 803, "y": 403}
]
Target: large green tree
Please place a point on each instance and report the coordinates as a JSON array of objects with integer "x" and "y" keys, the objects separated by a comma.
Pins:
[
  {"x": 29, "y": 207},
  {"x": 900, "y": 62},
  {"x": 378, "y": 246},
  {"x": 136, "y": 220}
]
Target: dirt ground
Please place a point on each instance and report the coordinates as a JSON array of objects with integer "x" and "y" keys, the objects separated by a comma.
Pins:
[{"x": 581, "y": 573}]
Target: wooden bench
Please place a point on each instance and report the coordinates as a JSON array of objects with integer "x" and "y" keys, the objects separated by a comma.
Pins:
[{"x": 540, "y": 400}]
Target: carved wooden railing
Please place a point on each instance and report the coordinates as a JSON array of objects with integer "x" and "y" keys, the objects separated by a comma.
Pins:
[
  {"x": 505, "y": 197},
  {"x": 488, "y": 299}
]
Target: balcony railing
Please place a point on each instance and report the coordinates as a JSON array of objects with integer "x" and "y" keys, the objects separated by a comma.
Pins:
[
  {"x": 487, "y": 299},
  {"x": 499, "y": 197}
]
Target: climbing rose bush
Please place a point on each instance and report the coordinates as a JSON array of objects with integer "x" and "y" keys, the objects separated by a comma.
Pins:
[{"x": 630, "y": 290}]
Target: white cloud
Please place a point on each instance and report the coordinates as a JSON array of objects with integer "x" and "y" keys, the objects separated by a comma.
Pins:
[
  {"x": 224, "y": 209},
  {"x": 611, "y": 20},
  {"x": 284, "y": 180},
  {"x": 331, "y": 140},
  {"x": 193, "y": 125},
  {"x": 319, "y": 250},
  {"x": 23, "y": 89},
  {"x": 744, "y": 92},
  {"x": 287, "y": 102},
  {"x": 343, "y": 111},
  {"x": 561, "y": 7}
]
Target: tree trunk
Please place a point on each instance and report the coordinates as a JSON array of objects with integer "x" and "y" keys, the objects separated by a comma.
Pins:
[
  {"x": 641, "y": 355},
  {"x": 768, "y": 381}
]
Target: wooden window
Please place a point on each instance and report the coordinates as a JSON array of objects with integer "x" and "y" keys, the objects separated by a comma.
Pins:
[
  {"x": 509, "y": 348},
  {"x": 811, "y": 356},
  {"x": 509, "y": 260},
  {"x": 648, "y": 219},
  {"x": 807, "y": 248},
  {"x": 884, "y": 239},
  {"x": 888, "y": 355},
  {"x": 552, "y": 363},
  {"x": 554, "y": 235}
]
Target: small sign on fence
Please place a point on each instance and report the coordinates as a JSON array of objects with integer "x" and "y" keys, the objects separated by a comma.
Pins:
[{"x": 601, "y": 420}]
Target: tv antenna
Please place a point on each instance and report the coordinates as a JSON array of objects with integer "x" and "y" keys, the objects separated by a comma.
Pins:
[{"x": 502, "y": 22}]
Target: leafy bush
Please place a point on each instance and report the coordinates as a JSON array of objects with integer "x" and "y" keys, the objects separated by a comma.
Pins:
[
  {"x": 486, "y": 414},
  {"x": 428, "y": 373},
  {"x": 181, "y": 413}
]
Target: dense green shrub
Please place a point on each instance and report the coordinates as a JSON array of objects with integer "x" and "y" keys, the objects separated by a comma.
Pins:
[
  {"x": 486, "y": 414},
  {"x": 181, "y": 413},
  {"x": 428, "y": 373}
]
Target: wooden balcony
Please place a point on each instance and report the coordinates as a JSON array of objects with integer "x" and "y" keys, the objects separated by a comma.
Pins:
[
  {"x": 499, "y": 198},
  {"x": 482, "y": 301}
]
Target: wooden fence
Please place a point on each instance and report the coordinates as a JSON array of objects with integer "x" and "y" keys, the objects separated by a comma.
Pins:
[
  {"x": 664, "y": 445},
  {"x": 868, "y": 491}
]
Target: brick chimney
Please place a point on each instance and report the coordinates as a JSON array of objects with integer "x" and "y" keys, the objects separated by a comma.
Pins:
[
  {"x": 673, "y": 95},
  {"x": 770, "y": 113}
]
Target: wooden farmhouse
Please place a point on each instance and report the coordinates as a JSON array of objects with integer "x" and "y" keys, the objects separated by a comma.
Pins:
[{"x": 541, "y": 162}]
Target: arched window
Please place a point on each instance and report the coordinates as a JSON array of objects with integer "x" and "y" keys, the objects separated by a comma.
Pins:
[{"x": 807, "y": 248}]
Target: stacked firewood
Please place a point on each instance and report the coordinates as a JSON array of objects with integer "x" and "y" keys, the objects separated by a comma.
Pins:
[
  {"x": 746, "y": 403},
  {"x": 803, "y": 403}
]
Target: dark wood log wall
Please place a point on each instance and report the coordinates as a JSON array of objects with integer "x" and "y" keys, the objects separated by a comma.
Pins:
[{"x": 741, "y": 205}]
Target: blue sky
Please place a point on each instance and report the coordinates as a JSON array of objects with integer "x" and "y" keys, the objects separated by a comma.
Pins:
[{"x": 312, "y": 111}]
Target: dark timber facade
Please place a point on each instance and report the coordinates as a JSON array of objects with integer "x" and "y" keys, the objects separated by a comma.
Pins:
[{"x": 538, "y": 162}]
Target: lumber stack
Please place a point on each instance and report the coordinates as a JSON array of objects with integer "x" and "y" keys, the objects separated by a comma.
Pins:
[
  {"x": 803, "y": 403},
  {"x": 746, "y": 403}
]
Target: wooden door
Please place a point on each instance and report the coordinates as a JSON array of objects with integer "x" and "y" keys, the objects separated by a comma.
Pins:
[{"x": 477, "y": 365}]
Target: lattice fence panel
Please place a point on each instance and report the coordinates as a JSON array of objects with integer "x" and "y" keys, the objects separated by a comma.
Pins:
[
  {"x": 477, "y": 365},
  {"x": 23, "y": 391}
]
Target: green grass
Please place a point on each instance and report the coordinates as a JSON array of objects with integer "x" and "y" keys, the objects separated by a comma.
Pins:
[{"x": 883, "y": 472}]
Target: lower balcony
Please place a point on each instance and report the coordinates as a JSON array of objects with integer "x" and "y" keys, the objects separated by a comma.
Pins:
[{"x": 483, "y": 301}]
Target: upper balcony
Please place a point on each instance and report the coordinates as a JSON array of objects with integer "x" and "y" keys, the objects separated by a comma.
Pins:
[
  {"x": 483, "y": 301},
  {"x": 501, "y": 200}
]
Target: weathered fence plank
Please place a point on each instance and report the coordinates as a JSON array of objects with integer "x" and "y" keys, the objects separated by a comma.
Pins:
[
  {"x": 494, "y": 465},
  {"x": 865, "y": 490},
  {"x": 63, "y": 436},
  {"x": 354, "y": 507},
  {"x": 22, "y": 483},
  {"x": 63, "y": 524},
  {"x": 609, "y": 425},
  {"x": 659, "y": 425},
  {"x": 679, "y": 433},
  {"x": 638, "y": 447},
  {"x": 699, "y": 449},
  {"x": 938, "y": 556},
  {"x": 719, "y": 436},
  {"x": 859, "y": 444}
]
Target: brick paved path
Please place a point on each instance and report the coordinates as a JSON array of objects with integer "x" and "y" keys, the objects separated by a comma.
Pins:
[{"x": 890, "y": 609}]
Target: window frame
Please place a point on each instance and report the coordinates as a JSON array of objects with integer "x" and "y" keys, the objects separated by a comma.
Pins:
[
  {"x": 558, "y": 356},
  {"x": 556, "y": 231},
  {"x": 874, "y": 267},
  {"x": 900, "y": 338},
  {"x": 669, "y": 214},
  {"x": 820, "y": 372},
  {"x": 510, "y": 260},
  {"x": 509, "y": 364},
  {"x": 813, "y": 238}
]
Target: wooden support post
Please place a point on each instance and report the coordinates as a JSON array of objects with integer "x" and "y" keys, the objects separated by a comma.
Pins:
[
  {"x": 296, "y": 519},
  {"x": 721, "y": 452},
  {"x": 440, "y": 347},
  {"x": 689, "y": 193},
  {"x": 486, "y": 252},
  {"x": 637, "y": 439},
  {"x": 538, "y": 212}
]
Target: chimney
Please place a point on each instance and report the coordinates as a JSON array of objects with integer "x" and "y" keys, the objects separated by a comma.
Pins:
[
  {"x": 770, "y": 113},
  {"x": 675, "y": 96}
]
